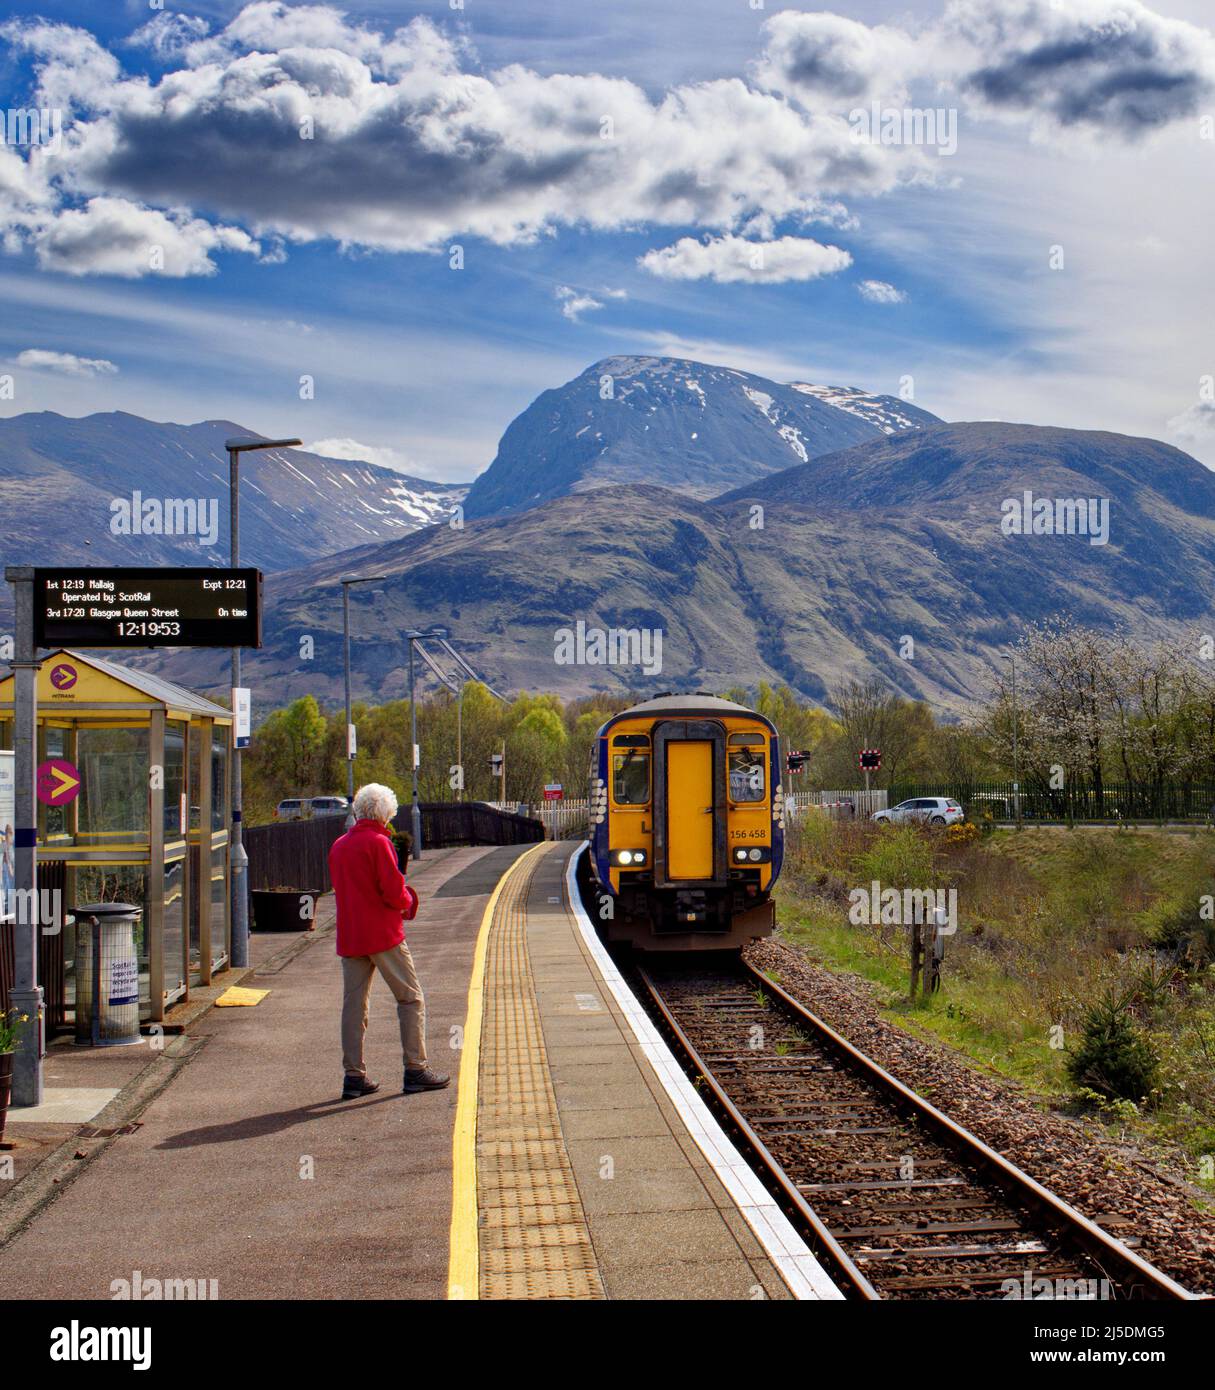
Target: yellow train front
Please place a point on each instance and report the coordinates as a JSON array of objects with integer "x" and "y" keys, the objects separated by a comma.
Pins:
[{"x": 686, "y": 824}]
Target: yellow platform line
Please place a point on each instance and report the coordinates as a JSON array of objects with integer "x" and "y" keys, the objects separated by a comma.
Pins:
[{"x": 463, "y": 1261}]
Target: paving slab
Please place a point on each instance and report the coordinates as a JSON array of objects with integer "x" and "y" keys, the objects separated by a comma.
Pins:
[{"x": 249, "y": 1170}]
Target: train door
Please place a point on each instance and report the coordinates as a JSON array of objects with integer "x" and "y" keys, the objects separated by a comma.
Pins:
[{"x": 690, "y": 803}]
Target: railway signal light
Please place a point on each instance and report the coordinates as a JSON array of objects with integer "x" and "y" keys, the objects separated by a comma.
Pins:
[
  {"x": 870, "y": 759},
  {"x": 796, "y": 761}
]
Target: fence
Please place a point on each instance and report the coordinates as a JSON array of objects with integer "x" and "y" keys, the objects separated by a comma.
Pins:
[
  {"x": 295, "y": 854},
  {"x": 839, "y": 803},
  {"x": 1112, "y": 802},
  {"x": 562, "y": 820}
]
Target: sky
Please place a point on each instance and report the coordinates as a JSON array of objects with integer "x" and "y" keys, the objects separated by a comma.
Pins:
[{"x": 386, "y": 227}]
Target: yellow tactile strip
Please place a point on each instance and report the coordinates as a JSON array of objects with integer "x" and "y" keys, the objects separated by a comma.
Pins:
[{"x": 533, "y": 1236}]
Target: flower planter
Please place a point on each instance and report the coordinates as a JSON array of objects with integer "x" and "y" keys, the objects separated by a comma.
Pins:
[
  {"x": 284, "y": 909},
  {"x": 6, "y": 1087}
]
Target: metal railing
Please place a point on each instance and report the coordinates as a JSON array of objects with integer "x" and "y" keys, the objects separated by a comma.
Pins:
[{"x": 1076, "y": 801}]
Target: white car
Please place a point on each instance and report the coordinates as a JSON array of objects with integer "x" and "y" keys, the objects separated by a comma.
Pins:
[{"x": 931, "y": 810}]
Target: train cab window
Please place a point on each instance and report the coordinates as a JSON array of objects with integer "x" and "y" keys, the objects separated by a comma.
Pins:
[
  {"x": 745, "y": 758},
  {"x": 631, "y": 770}
]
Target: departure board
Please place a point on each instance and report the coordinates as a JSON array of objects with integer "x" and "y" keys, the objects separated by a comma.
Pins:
[{"x": 199, "y": 607}]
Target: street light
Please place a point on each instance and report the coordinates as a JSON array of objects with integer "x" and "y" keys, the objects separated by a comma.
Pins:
[
  {"x": 346, "y": 581},
  {"x": 1016, "y": 761},
  {"x": 240, "y": 859},
  {"x": 415, "y": 818}
]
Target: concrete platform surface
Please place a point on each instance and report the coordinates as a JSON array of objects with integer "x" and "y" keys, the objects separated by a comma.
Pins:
[{"x": 248, "y": 1170}]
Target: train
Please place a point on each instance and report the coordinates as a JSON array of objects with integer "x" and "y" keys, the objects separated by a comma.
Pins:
[{"x": 687, "y": 825}]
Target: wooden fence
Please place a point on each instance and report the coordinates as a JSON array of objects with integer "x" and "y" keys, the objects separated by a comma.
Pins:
[{"x": 295, "y": 854}]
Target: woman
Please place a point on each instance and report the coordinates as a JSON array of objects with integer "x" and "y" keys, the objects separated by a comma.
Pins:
[{"x": 373, "y": 901}]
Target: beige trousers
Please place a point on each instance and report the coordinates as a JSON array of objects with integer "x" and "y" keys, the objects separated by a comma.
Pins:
[{"x": 396, "y": 966}]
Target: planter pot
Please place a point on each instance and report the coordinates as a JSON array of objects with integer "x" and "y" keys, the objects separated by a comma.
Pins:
[
  {"x": 6, "y": 1087},
  {"x": 284, "y": 909}
]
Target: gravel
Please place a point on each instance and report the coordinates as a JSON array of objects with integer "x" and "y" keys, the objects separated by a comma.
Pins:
[{"x": 1110, "y": 1181}]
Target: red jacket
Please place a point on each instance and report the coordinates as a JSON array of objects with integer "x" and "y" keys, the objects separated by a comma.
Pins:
[{"x": 372, "y": 895}]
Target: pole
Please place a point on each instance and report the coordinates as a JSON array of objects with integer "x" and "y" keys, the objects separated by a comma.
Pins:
[
  {"x": 502, "y": 775},
  {"x": 416, "y": 813},
  {"x": 460, "y": 742},
  {"x": 1016, "y": 760},
  {"x": 346, "y": 652},
  {"x": 26, "y": 995},
  {"x": 240, "y": 858}
]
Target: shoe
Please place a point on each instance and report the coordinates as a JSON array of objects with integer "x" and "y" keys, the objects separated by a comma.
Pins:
[
  {"x": 354, "y": 1086},
  {"x": 424, "y": 1080}
]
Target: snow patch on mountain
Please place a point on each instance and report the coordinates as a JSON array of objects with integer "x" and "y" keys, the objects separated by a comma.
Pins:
[{"x": 887, "y": 412}]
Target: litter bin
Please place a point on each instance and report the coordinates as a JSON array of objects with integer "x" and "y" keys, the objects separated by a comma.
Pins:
[{"x": 107, "y": 1000}]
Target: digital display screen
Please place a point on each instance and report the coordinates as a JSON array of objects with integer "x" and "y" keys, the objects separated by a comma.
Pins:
[{"x": 200, "y": 607}]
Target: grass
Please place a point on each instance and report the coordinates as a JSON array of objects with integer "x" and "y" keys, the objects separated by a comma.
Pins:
[{"x": 1050, "y": 922}]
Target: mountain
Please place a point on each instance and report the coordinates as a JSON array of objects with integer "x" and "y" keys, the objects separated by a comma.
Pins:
[
  {"x": 59, "y": 479},
  {"x": 898, "y": 537},
  {"x": 665, "y": 421}
]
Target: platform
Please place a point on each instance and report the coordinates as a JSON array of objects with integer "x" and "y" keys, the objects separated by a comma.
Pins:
[{"x": 570, "y": 1161}]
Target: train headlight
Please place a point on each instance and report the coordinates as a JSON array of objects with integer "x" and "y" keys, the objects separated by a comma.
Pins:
[
  {"x": 755, "y": 855},
  {"x": 629, "y": 858}
]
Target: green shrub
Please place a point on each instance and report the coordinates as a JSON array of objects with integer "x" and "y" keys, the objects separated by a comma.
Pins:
[
  {"x": 1114, "y": 1059},
  {"x": 900, "y": 856}
]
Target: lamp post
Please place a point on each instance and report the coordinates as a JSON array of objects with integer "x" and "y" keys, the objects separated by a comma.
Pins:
[
  {"x": 415, "y": 815},
  {"x": 240, "y": 859},
  {"x": 1012, "y": 661},
  {"x": 346, "y": 582}
]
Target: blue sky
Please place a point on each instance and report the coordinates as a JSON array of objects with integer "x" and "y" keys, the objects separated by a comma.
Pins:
[{"x": 331, "y": 259}]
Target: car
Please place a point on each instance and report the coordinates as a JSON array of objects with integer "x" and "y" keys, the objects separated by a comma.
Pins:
[
  {"x": 291, "y": 809},
  {"x": 329, "y": 805},
  {"x": 930, "y": 810}
]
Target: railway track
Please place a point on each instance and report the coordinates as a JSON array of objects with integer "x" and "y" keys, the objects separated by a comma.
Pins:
[{"x": 897, "y": 1199}]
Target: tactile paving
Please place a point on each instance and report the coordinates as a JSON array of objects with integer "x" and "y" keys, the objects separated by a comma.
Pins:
[{"x": 533, "y": 1237}]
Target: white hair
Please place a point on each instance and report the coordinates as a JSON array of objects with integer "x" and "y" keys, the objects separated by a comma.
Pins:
[{"x": 375, "y": 802}]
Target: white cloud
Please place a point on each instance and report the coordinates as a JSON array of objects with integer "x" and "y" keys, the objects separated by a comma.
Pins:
[
  {"x": 729, "y": 259},
  {"x": 1098, "y": 66},
  {"x": 356, "y": 452},
  {"x": 1194, "y": 426},
  {"x": 65, "y": 363},
  {"x": 411, "y": 146},
  {"x": 169, "y": 35},
  {"x": 576, "y": 302},
  {"x": 825, "y": 60},
  {"x": 880, "y": 292},
  {"x": 112, "y": 236}
]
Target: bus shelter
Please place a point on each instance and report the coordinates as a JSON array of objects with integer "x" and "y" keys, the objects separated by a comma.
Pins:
[{"x": 139, "y": 812}]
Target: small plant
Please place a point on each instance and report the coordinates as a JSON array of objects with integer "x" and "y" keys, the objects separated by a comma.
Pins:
[
  {"x": 783, "y": 1049},
  {"x": 11, "y": 1024},
  {"x": 962, "y": 833},
  {"x": 761, "y": 999},
  {"x": 1114, "y": 1059}
]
